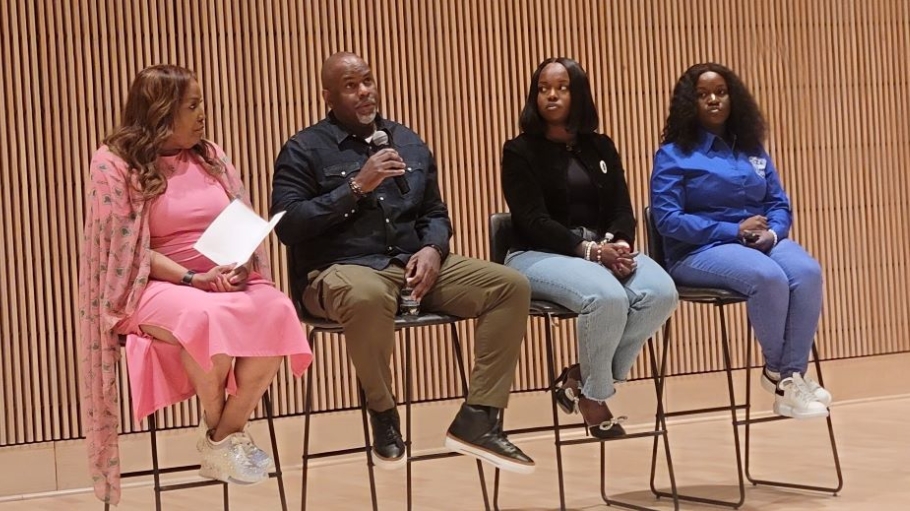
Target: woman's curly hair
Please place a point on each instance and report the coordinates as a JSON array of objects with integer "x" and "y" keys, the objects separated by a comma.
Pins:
[
  {"x": 147, "y": 123},
  {"x": 746, "y": 121}
]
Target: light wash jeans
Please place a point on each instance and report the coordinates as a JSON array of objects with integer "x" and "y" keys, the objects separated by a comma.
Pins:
[
  {"x": 614, "y": 318},
  {"x": 784, "y": 290}
]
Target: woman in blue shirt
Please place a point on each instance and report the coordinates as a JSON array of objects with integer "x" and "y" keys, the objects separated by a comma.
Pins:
[
  {"x": 575, "y": 238},
  {"x": 718, "y": 202}
]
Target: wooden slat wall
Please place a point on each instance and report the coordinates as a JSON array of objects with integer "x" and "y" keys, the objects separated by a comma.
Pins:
[{"x": 831, "y": 77}]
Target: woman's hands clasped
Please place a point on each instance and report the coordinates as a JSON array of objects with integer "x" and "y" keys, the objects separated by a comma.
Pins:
[
  {"x": 616, "y": 257},
  {"x": 223, "y": 279},
  {"x": 624, "y": 265},
  {"x": 754, "y": 233}
]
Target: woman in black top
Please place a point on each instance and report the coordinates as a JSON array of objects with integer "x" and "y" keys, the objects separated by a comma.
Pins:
[{"x": 575, "y": 238}]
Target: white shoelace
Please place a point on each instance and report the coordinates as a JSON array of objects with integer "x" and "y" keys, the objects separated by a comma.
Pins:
[{"x": 801, "y": 391}]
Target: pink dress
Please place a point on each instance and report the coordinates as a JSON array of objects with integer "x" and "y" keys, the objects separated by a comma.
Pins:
[{"x": 257, "y": 322}]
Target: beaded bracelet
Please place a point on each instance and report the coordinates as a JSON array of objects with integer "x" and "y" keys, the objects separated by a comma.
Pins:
[
  {"x": 356, "y": 189},
  {"x": 775, "y": 237}
]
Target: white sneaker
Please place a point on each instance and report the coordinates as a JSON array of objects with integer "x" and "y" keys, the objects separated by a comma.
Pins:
[
  {"x": 769, "y": 381},
  {"x": 229, "y": 461},
  {"x": 821, "y": 395},
  {"x": 792, "y": 398}
]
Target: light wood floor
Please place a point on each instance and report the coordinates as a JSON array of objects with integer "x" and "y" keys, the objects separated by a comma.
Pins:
[{"x": 872, "y": 438}]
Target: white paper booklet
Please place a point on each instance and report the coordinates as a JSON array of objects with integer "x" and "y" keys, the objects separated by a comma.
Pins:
[{"x": 235, "y": 234}]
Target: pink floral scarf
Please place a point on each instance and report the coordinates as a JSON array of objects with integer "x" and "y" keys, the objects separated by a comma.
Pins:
[{"x": 113, "y": 271}]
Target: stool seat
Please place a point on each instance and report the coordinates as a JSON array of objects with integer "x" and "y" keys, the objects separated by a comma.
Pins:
[
  {"x": 419, "y": 320},
  {"x": 545, "y": 308},
  {"x": 712, "y": 295}
]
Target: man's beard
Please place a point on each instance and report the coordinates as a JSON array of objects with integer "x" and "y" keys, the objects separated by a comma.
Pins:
[{"x": 367, "y": 119}]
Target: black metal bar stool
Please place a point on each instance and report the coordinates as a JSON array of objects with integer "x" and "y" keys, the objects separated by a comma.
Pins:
[
  {"x": 157, "y": 469},
  {"x": 720, "y": 298},
  {"x": 501, "y": 236}
]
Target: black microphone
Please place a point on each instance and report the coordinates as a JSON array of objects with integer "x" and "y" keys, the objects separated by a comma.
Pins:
[{"x": 381, "y": 139}]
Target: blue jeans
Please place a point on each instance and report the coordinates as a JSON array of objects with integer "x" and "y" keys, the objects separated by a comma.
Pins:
[
  {"x": 614, "y": 318},
  {"x": 784, "y": 290}
]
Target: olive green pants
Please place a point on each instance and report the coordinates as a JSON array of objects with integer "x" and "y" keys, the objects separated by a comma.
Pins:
[{"x": 365, "y": 301}]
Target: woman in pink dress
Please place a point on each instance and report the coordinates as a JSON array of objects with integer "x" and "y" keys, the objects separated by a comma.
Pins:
[{"x": 192, "y": 327}]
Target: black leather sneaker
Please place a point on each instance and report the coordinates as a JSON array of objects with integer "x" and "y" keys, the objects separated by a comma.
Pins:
[
  {"x": 477, "y": 431},
  {"x": 388, "y": 447}
]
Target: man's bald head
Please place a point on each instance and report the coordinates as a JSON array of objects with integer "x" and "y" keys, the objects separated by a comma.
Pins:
[
  {"x": 349, "y": 91},
  {"x": 336, "y": 64}
]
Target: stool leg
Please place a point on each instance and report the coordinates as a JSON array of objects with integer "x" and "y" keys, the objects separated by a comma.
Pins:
[
  {"x": 840, "y": 474},
  {"x": 728, "y": 367},
  {"x": 661, "y": 420},
  {"x": 156, "y": 470},
  {"x": 462, "y": 373},
  {"x": 307, "y": 409},
  {"x": 748, "y": 420},
  {"x": 267, "y": 404},
  {"x": 407, "y": 406},
  {"x": 557, "y": 430},
  {"x": 368, "y": 445}
]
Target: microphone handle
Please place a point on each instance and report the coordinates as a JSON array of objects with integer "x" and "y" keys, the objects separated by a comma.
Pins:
[{"x": 402, "y": 183}]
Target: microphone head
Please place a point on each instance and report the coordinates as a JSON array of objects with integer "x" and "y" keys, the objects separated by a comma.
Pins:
[{"x": 380, "y": 138}]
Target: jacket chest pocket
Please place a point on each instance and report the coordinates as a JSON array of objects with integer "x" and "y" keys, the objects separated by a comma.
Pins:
[{"x": 335, "y": 175}]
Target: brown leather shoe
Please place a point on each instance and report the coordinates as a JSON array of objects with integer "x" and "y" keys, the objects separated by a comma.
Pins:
[{"x": 599, "y": 419}]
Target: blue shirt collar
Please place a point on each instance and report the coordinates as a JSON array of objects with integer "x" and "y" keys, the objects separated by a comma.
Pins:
[{"x": 707, "y": 141}]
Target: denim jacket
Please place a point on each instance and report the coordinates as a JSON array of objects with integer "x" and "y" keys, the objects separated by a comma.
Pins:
[{"x": 326, "y": 224}]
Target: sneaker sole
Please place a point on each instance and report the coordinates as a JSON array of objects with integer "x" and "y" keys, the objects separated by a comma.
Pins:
[
  {"x": 230, "y": 480},
  {"x": 787, "y": 411},
  {"x": 455, "y": 445},
  {"x": 389, "y": 464}
]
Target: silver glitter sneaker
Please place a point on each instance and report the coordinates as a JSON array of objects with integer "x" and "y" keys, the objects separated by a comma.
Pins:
[
  {"x": 259, "y": 457},
  {"x": 256, "y": 455},
  {"x": 229, "y": 461}
]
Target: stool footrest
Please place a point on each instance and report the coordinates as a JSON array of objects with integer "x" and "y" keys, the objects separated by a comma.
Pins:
[
  {"x": 592, "y": 440},
  {"x": 339, "y": 452},
  {"x": 434, "y": 456},
  {"x": 166, "y": 470},
  {"x": 192, "y": 484},
  {"x": 699, "y": 411}
]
